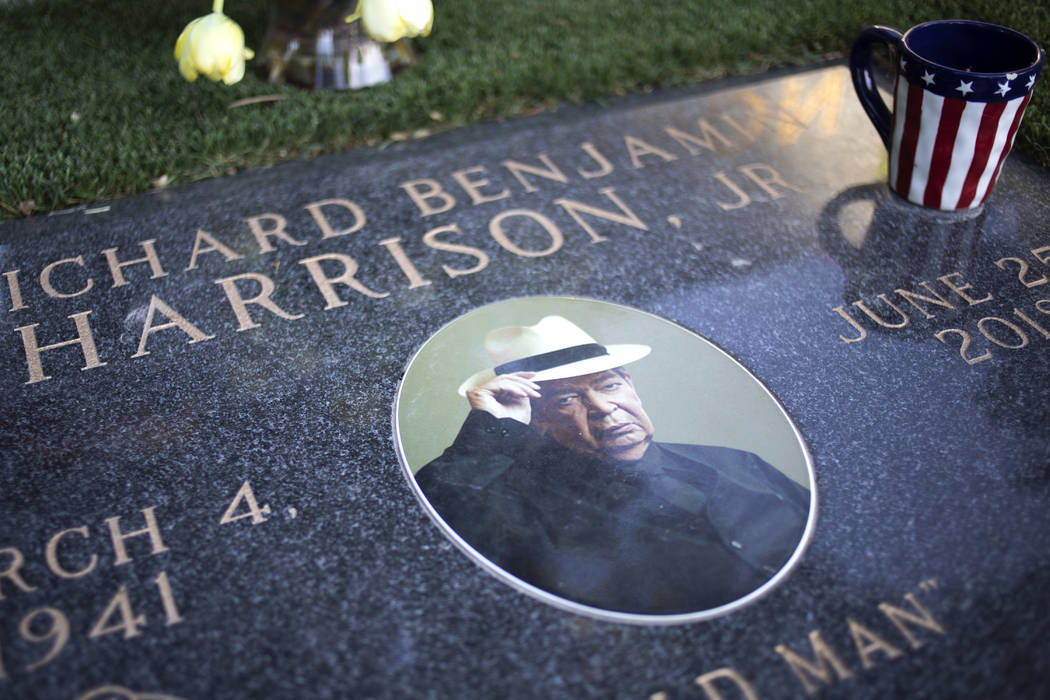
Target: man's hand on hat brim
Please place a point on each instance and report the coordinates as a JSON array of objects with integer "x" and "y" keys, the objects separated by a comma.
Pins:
[{"x": 506, "y": 396}]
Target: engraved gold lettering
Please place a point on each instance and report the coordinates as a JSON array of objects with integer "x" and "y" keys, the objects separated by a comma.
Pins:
[
  {"x": 326, "y": 284},
  {"x": 422, "y": 197},
  {"x": 213, "y": 246},
  {"x": 327, "y": 230},
  {"x": 550, "y": 172},
  {"x": 129, "y": 622},
  {"x": 841, "y": 311},
  {"x": 707, "y": 683},
  {"x": 767, "y": 182},
  {"x": 750, "y": 135},
  {"x": 1022, "y": 270},
  {"x": 500, "y": 236},
  {"x": 393, "y": 245},
  {"x": 57, "y": 633},
  {"x": 1042, "y": 254},
  {"x": 246, "y": 496},
  {"x": 691, "y": 142},
  {"x": 936, "y": 299},
  {"x": 15, "y": 290},
  {"x": 878, "y": 319},
  {"x": 118, "y": 537},
  {"x": 804, "y": 102},
  {"x": 175, "y": 320},
  {"x": 743, "y": 198},
  {"x": 116, "y": 268},
  {"x": 1022, "y": 337},
  {"x": 431, "y": 239},
  {"x": 277, "y": 230},
  {"x": 167, "y": 599},
  {"x": 240, "y": 305},
  {"x": 964, "y": 345},
  {"x": 636, "y": 148},
  {"x": 627, "y": 217},
  {"x": 1031, "y": 322},
  {"x": 758, "y": 115},
  {"x": 901, "y": 618},
  {"x": 868, "y": 644},
  {"x": 473, "y": 187},
  {"x": 960, "y": 289},
  {"x": 49, "y": 289},
  {"x": 1043, "y": 306},
  {"x": 11, "y": 572},
  {"x": 604, "y": 166},
  {"x": 820, "y": 668},
  {"x": 51, "y": 555},
  {"x": 84, "y": 338}
]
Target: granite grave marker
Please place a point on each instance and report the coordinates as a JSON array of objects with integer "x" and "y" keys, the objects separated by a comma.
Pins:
[{"x": 201, "y": 488}]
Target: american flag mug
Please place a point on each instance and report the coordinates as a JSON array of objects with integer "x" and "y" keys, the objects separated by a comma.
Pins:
[{"x": 960, "y": 92}]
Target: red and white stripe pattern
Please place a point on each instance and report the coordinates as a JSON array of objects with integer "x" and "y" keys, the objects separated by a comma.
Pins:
[{"x": 946, "y": 152}]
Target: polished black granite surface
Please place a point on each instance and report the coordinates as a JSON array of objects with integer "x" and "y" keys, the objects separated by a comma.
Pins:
[{"x": 232, "y": 403}]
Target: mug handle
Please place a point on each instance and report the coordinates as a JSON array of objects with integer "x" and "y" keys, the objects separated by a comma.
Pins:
[{"x": 864, "y": 80}]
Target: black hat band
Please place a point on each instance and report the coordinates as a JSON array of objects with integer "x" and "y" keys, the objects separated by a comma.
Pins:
[{"x": 554, "y": 358}]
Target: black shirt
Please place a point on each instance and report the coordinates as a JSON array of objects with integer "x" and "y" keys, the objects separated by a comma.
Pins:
[{"x": 685, "y": 528}]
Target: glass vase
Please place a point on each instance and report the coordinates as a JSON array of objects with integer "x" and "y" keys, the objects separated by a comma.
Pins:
[{"x": 308, "y": 43}]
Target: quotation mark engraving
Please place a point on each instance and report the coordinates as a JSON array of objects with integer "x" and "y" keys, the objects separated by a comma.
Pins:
[{"x": 928, "y": 585}]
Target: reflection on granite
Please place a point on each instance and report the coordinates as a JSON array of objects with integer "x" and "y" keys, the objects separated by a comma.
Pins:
[
  {"x": 883, "y": 242},
  {"x": 268, "y": 352}
]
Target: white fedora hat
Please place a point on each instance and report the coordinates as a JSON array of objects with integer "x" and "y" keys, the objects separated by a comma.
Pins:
[{"x": 555, "y": 348}]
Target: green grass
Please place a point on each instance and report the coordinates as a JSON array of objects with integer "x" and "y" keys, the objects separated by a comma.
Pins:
[{"x": 93, "y": 106}]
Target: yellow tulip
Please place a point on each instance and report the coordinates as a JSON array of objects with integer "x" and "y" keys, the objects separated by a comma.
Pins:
[
  {"x": 390, "y": 20},
  {"x": 212, "y": 46}
]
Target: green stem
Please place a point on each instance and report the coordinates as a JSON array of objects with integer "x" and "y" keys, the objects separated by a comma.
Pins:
[
  {"x": 356, "y": 13},
  {"x": 216, "y": 6}
]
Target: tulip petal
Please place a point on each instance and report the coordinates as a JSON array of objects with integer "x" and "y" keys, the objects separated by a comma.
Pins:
[
  {"x": 381, "y": 20},
  {"x": 234, "y": 73},
  {"x": 187, "y": 70},
  {"x": 180, "y": 41},
  {"x": 417, "y": 15},
  {"x": 212, "y": 46}
]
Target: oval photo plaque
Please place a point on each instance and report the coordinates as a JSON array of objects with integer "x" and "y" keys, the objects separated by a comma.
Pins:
[{"x": 605, "y": 460}]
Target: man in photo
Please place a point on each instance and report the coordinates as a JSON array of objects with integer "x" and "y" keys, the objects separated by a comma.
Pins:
[{"x": 555, "y": 477}]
